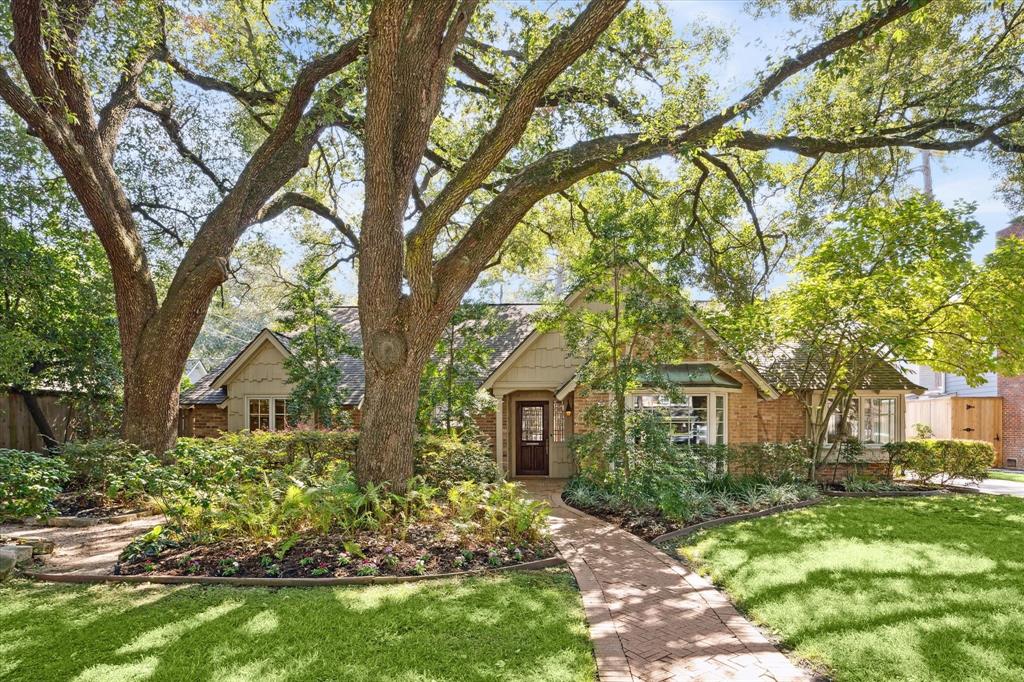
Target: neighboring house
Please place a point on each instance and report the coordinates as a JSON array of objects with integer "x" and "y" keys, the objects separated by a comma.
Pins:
[
  {"x": 195, "y": 370},
  {"x": 992, "y": 411},
  {"x": 533, "y": 376}
]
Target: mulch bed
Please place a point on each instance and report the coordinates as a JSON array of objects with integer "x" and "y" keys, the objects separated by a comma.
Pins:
[
  {"x": 642, "y": 524},
  {"x": 427, "y": 549}
]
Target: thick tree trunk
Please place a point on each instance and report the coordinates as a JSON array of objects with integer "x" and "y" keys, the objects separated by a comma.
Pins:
[
  {"x": 151, "y": 402},
  {"x": 388, "y": 427}
]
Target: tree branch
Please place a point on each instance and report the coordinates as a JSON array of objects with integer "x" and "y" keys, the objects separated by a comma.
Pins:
[{"x": 298, "y": 200}]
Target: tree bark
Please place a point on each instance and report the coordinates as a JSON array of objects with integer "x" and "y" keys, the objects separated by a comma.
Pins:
[{"x": 388, "y": 428}]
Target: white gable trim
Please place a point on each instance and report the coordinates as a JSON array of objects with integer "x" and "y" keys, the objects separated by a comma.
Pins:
[
  {"x": 512, "y": 357},
  {"x": 247, "y": 353}
]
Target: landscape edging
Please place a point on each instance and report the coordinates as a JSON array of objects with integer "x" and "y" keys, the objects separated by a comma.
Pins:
[
  {"x": 721, "y": 521},
  {"x": 97, "y": 578},
  {"x": 689, "y": 530}
]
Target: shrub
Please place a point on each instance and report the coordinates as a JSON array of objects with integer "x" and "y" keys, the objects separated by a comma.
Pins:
[
  {"x": 497, "y": 512},
  {"x": 771, "y": 461},
  {"x": 443, "y": 461},
  {"x": 942, "y": 460},
  {"x": 29, "y": 483},
  {"x": 275, "y": 449},
  {"x": 114, "y": 471}
]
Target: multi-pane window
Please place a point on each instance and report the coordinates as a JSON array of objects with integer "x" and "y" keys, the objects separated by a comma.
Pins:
[
  {"x": 691, "y": 419},
  {"x": 879, "y": 420},
  {"x": 852, "y": 430},
  {"x": 870, "y": 420},
  {"x": 558, "y": 422},
  {"x": 268, "y": 414}
]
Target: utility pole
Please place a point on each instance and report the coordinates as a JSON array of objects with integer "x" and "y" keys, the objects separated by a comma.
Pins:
[{"x": 926, "y": 171}]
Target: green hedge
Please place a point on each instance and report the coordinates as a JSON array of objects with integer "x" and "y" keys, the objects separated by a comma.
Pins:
[
  {"x": 28, "y": 483},
  {"x": 114, "y": 470},
  {"x": 444, "y": 461},
  {"x": 939, "y": 461}
]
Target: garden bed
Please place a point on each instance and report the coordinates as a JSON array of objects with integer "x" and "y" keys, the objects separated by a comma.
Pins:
[{"x": 426, "y": 549}]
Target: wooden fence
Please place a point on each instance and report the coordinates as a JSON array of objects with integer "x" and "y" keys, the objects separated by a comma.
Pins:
[
  {"x": 963, "y": 418},
  {"x": 19, "y": 432}
]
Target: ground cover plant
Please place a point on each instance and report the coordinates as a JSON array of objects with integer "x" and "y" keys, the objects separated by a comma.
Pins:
[
  {"x": 437, "y": 630},
  {"x": 668, "y": 486},
  {"x": 251, "y": 505},
  {"x": 29, "y": 483},
  {"x": 873, "y": 589}
]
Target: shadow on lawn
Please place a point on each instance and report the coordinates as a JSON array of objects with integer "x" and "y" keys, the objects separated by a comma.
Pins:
[
  {"x": 929, "y": 589},
  {"x": 508, "y": 627}
]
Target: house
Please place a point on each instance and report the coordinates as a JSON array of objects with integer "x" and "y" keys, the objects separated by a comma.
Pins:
[
  {"x": 533, "y": 377},
  {"x": 195, "y": 369},
  {"x": 992, "y": 411}
]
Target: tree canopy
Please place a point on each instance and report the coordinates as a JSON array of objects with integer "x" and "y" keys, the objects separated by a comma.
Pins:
[{"x": 427, "y": 134}]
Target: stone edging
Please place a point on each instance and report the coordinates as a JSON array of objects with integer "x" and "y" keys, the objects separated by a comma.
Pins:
[
  {"x": 721, "y": 521},
  {"x": 96, "y": 578},
  {"x": 87, "y": 521}
]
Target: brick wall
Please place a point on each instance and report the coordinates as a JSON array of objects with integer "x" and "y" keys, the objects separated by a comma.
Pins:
[
  {"x": 781, "y": 420},
  {"x": 203, "y": 421},
  {"x": 1011, "y": 389},
  {"x": 486, "y": 421}
]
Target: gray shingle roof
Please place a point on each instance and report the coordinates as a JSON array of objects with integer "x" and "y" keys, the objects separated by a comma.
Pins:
[
  {"x": 518, "y": 323},
  {"x": 792, "y": 367}
]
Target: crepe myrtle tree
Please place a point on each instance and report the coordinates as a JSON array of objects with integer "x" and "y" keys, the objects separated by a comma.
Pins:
[
  {"x": 450, "y": 121},
  {"x": 896, "y": 284}
]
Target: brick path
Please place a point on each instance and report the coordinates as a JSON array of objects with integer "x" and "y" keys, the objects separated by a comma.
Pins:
[{"x": 651, "y": 618}]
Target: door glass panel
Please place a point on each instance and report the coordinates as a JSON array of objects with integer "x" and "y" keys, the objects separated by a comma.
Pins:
[{"x": 531, "y": 427}]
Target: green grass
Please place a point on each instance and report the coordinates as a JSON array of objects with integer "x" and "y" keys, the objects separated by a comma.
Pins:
[
  {"x": 509, "y": 627},
  {"x": 1006, "y": 476},
  {"x": 884, "y": 589}
]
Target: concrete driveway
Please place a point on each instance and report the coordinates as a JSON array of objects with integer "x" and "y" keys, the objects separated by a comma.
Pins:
[{"x": 994, "y": 486}]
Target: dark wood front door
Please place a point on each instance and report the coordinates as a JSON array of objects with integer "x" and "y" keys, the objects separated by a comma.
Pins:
[{"x": 532, "y": 438}]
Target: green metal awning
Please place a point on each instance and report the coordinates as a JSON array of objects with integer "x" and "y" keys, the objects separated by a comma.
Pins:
[{"x": 697, "y": 375}]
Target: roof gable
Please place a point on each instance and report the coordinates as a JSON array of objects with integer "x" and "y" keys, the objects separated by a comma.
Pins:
[{"x": 277, "y": 341}]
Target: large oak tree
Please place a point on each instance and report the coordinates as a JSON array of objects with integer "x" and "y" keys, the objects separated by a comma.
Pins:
[{"x": 454, "y": 121}]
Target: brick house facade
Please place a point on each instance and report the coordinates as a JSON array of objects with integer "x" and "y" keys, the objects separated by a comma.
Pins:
[{"x": 532, "y": 377}]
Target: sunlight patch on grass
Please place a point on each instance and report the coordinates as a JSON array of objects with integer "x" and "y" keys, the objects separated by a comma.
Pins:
[
  {"x": 922, "y": 589},
  {"x": 123, "y": 672},
  {"x": 165, "y": 634},
  {"x": 508, "y": 627},
  {"x": 1006, "y": 476}
]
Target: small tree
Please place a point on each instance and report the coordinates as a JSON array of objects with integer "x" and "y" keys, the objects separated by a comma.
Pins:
[
  {"x": 318, "y": 345},
  {"x": 890, "y": 284},
  {"x": 627, "y": 327},
  {"x": 449, "y": 395}
]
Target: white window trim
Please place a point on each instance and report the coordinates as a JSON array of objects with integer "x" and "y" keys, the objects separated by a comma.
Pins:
[
  {"x": 273, "y": 411},
  {"x": 898, "y": 417},
  {"x": 712, "y": 412}
]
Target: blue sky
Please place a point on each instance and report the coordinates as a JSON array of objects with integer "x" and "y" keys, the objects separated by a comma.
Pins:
[
  {"x": 954, "y": 176},
  {"x": 754, "y": 41}
]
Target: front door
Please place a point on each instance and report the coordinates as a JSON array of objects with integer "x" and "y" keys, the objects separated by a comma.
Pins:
[{"x": 532, "y": 438}]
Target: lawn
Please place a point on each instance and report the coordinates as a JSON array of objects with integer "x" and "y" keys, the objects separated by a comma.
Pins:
[
  {"x": 884, "y": 589},
  {"x": 1006, "y": 476},
  {"x": 509, "y": 627}
]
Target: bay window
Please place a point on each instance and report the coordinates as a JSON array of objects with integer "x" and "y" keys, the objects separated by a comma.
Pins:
[{"x": 692, "y": 419}]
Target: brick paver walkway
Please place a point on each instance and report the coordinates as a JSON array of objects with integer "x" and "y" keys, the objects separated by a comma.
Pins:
[{"x": 650, "y": 617}]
